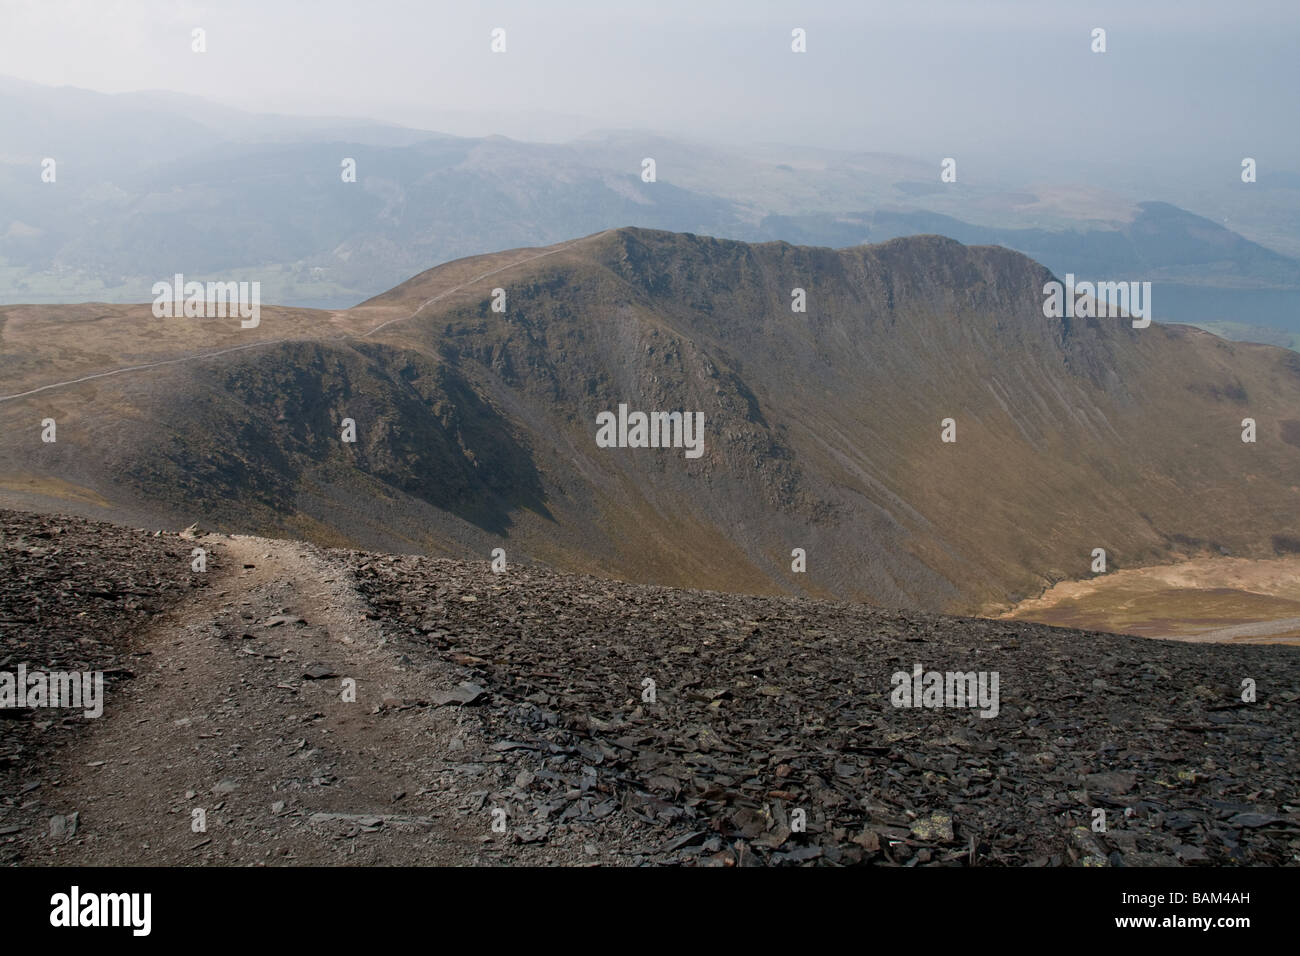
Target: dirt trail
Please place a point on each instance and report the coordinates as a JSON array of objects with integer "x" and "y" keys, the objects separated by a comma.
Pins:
[
  {"x": 226, "y": 720},
  {"x": 1283, "y": 631}
]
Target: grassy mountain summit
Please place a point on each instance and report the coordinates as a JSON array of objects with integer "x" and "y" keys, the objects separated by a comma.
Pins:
[{"x": 476, "y": 428}]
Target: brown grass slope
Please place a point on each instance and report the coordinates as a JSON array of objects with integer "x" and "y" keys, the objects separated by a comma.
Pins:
[{"x": 476, "y": 429}]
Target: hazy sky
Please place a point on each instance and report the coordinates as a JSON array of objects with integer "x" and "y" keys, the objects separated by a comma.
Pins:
[{"x": 912, "y": 76}]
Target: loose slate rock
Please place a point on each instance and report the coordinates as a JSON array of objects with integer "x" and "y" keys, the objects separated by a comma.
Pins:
[
  {"x": 463, "y": 694},
  {"x": 279, "y": 619},
  {"x": 767, "y": 711},
  {"x": 1257, "y": 820},
  {"x": 936, "y": 828},
  {"x": 1110, "y": 782}
]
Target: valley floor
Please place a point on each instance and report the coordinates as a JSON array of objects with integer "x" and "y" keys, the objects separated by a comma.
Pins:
[
  {"x": 535, "y": 717},
  {"x": 1227, "y": 600}
]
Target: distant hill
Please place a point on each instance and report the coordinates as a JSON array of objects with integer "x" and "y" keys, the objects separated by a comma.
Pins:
[
  {"x": 477, "y": 429},
  {"x": 1202, "y": 273},
  {"x": 138, "y": 172}
]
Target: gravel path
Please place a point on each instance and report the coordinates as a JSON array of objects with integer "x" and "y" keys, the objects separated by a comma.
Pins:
[{"x": 544, "y": 718}]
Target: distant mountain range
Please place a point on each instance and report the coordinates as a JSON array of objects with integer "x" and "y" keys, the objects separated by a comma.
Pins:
[
  {"x": 477, "y": 428},
  {"x": 149, "y": 184}
]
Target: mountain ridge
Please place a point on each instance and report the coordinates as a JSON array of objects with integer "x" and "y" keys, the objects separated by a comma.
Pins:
[{"x": 476, "y": 429}]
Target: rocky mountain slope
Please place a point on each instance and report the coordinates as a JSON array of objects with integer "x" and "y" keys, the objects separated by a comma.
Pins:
[
  {"x": 476, "y": 429},
  {"x": 507, "y": 717}
]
